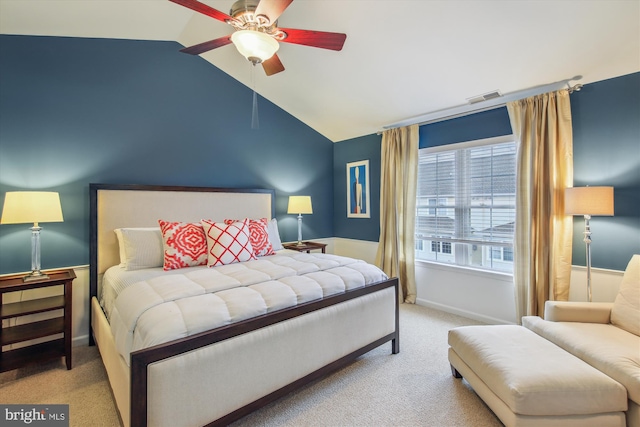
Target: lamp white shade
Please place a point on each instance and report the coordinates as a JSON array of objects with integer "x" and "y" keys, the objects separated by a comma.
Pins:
[
  {"x": 594, "y": 201},
  {"x": 255, "y": 45},
  {"x": 300, "y": 205},
  {"x": 21, "y": 207}
]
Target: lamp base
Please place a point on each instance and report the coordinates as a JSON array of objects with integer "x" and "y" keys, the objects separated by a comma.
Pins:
[
  {"x": 35, "y": 275},
  {"x": 299, "y": 229}
]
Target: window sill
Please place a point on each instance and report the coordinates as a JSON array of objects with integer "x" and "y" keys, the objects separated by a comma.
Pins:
[{"x": 498, "y": 275}]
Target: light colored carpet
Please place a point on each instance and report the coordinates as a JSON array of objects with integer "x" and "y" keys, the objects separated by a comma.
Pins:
[
  {"x": 85, "y": 388},
  {"x": 412, "y": 388}
]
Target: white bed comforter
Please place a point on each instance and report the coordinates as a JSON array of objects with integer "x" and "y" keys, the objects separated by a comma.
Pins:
[{"x": 165, "y": 308}]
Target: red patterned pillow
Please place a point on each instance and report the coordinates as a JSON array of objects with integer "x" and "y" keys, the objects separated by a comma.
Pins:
[
  {"x": 227, "y": 243},
  {"x": 258, "y": 235},
  {"x": 185, "y": 244}
]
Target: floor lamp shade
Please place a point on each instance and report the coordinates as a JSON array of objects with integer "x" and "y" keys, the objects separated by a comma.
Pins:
[
  {"x": 300, "y": 205},
  {"x": 26, "y": 207},
  {"x": 594, "y": 201},
  {"x": 588, "y": 201}
]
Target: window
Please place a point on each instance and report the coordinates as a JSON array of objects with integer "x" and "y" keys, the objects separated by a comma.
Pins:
[
  {"x": 502, "y": 254},
  {"x": 435, "y": 202},
  {"x": 507, "y": 254},
  {"x": 465, "y": 210}
]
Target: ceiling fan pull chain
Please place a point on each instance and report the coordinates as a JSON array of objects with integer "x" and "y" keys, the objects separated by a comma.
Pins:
[{"x": 255, "y": 121}]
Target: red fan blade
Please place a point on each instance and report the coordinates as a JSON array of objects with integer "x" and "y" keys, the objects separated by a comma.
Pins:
[
  {"x": 204, "y": 9},
  {"x": 272, "y": 9},
  {"x": 207, "y": 46},
  {"x": 272, "y": 65},
  {"x": 321, "y": 39}
]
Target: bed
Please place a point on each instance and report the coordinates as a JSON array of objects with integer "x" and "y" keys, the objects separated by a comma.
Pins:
[{"x": 266, "y": 343}]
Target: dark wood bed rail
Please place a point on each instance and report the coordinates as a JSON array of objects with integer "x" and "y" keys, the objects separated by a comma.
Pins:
[{"x": 142, "y": 358}]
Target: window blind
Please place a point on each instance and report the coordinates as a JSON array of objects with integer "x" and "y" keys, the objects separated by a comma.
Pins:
[{"x": 466, "y": 195}]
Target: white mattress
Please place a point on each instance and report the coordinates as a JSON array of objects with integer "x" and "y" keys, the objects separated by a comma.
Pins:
[{"x": 154, "y": 307}]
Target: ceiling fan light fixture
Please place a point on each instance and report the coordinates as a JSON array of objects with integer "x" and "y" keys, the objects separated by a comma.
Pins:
[{"x": 254, "y": 45}]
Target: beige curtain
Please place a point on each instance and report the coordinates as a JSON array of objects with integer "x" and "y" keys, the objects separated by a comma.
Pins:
[
  {"x": 398, "y": 181},
  {"x": 543, "y": 234}
]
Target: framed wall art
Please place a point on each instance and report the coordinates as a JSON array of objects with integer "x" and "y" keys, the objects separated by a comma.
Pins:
[{"x": 358, "y": 189}]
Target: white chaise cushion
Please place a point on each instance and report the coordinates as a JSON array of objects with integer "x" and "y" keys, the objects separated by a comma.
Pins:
[
  {"x": 532, "y": 376},
  {"x": 609, "y": 349},
  {"x": 625, "y": 313}
]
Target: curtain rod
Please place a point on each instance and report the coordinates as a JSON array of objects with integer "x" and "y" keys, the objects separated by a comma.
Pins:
[{"x": 491, "y": 104}]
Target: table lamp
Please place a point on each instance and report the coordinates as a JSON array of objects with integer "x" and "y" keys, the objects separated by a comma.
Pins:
[
  {"x": 299, "y": 205},
  {"x": 588, "y": 201},
  {"x": 22, "y": 207}
]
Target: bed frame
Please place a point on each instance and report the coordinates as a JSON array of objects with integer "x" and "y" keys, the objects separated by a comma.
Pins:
[{"x": 151, "y": 382}]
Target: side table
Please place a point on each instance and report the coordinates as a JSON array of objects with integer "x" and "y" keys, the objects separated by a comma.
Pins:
[
  {"x": 12, "y": 359},
  {"x": 305, "y": 246}
]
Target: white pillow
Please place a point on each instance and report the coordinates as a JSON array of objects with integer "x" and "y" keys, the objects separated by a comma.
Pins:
[
  {"x": 140, "y": 247},
  {"x": 626, "y": 308},
  {"x": 274, "y": 235}
]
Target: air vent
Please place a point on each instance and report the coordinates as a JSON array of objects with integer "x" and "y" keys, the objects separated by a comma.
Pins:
[{"x": 484, "y": 97}]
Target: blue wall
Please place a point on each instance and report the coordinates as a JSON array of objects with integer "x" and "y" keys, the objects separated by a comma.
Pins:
[
  {"x": 75, "y": 111},
  {"x": 606, "y": 151},
  {"x": 353, "y": 150},
  {"x": 78, "y": 111},
  {"x": 486, "y": 124},
  {"x": 606, "y": 148}
]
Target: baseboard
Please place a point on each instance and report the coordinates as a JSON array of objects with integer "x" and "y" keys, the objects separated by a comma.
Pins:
[
  {"x": 81, "y": 341},
  {"x": 464, "y": 313}
]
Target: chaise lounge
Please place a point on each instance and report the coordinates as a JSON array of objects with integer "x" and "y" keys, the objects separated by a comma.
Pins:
[{"x": 578, "y": 366}]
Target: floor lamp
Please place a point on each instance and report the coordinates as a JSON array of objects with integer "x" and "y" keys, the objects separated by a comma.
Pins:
[{"x": 588, "y": 201}]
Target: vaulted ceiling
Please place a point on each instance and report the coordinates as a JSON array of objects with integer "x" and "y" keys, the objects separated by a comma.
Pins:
[{"x": 401, "y": 59}]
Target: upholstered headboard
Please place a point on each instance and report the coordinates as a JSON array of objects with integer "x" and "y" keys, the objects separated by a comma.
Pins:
[{"x": 120, "y": 206}]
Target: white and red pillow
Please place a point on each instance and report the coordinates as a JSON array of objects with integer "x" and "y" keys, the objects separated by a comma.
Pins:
[
  {"x": 227, "y": 243},
  {"x": 258, "y": 235},
  {"x": 185, "y": 244}
]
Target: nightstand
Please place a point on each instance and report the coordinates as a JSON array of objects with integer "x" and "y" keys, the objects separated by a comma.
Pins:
[
  {"x": 305, "y": 246},
  {"x": 53, "y": 348}
]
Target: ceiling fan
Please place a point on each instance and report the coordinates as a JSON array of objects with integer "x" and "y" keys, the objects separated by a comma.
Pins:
[{"x": 256, "y": 34}]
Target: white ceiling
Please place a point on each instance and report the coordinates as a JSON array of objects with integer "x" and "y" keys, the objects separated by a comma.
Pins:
[{"x": 401, "y": 59}]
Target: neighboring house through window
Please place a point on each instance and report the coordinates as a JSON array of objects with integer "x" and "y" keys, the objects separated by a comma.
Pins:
[{"x": 465, "y": 210}]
